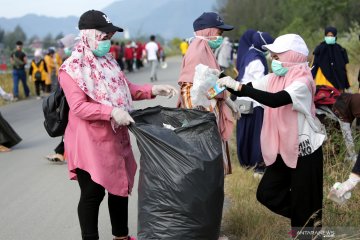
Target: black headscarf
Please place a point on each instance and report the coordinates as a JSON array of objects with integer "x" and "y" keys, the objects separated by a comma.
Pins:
[
  {"x": 332, "y": 58},
  {"x": 332, "y": 30}
]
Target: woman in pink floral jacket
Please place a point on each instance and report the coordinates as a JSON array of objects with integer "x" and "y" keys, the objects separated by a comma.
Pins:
[{"x": 97, "y": 143}]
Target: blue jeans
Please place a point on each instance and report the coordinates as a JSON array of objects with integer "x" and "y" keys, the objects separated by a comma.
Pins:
[{"x": 20, "y": 75}]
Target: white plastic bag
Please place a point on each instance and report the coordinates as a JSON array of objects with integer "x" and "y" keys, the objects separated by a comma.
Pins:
[{"x": 204, "y": 79}]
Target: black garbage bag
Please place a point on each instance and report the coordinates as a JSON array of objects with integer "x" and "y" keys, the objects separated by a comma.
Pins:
[{"x": 181, "y": 183}]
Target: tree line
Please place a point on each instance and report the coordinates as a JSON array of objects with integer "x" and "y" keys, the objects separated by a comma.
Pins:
[{"x": 307, "y": 18}]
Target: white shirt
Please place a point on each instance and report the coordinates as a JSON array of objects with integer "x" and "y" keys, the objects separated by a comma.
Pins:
[
  {"x": 151, "y": 50},
  {"x": 311, "y": 134}
]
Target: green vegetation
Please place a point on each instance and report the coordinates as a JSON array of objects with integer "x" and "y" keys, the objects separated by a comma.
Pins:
[{"x": 304, "y": 17}]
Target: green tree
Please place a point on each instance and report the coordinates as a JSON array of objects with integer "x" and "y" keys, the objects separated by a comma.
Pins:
[
  {"x": 59, "y": 36},
  {"x": 305, "y": 17},
  {"x": 49, "y": 41},
  {"x": 10, "y": 38},
  {"x": 2, "y": 34}
]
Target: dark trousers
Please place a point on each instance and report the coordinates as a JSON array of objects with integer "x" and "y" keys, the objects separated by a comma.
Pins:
[
  {"x": 20, "y": 75},
  {"x": 356, "y": 168},
  {"x": 294, "y": 193},
  {"x": 60, "y": 148},
  {"x": 92, "y": 195},
  {"x": 129, "y": 65},
  {"x": 39, "y": 85}
]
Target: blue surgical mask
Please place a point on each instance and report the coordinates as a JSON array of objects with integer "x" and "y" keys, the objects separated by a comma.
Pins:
[
  {"x": 214, "y": 44},
  {"x": 67, "y": 51},
  {"x": 278, "y": 69},
  {"x": 102, "y": 49},
  {"x": 330, "y": 40}
]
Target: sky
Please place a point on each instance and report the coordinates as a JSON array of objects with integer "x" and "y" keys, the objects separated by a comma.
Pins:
[{"x": 59, "y": 8}]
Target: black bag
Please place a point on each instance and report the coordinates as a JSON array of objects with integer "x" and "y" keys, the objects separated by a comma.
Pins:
[
  {"x": 181, "y": 182},
  {"x": 56, "y": 111},
  {"x": 37, "y": 76}
]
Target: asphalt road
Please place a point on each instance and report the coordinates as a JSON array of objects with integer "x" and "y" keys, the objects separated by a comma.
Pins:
[{"x": 37, "y": 199}]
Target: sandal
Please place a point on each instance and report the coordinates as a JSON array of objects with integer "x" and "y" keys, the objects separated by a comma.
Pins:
[
  {"x": 56, "y": 158},
  {"x": 125, "y": 238},
  {"x": 4, "y": 149}
]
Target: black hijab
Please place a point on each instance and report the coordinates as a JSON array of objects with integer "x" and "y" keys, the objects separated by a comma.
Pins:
[{"x": 332, "y": 58}]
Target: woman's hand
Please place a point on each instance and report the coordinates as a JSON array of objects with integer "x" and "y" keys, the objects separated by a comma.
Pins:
[
  {"x": 348, "y": 185},
  {"x": 234, "y": 108},
  {"x": 164, "y": 90},
  {"x": 121, "y": 117},
  {"x": 229, "y": 83}
]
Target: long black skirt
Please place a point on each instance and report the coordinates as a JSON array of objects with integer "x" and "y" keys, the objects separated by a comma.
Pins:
[{"x": 8, "y": 137}]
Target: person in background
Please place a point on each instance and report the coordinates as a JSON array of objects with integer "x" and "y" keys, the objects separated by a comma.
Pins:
[
  {"x": 114, "y": 50},
  {"x": 38, "y": 72},
  {"x": 6, "y": 96},
  {"x": 18, "y": 60},
  {"x": 208, "y": 30},
  {"x": 58, "y": 58},
  {"x": 223, "y": 54},
  {"x": 244, "y": 44},
  {"x": 121, "y": 55},
  {"x": 8, "y": 137},
  {"x": 97, "y": 141},
  {"x": 184, "y": 45},
  {"x": 291, "y": 135},
  {"x": 153, "y": 57},
  {"x": 347, "y": 108},
  {"x": 68, "y": 42},
  {"x": 129, "y": 56},
  {"x": 330, "y": 62},
  {"x": 51, "y": 79},
  {"x": 252, "y": 66},
  {"x": 139, "y": 55}
]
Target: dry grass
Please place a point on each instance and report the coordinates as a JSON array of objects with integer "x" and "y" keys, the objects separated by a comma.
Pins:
[
  {"x": 6, "y": 83},
  {"x": 245, "y": 217}
]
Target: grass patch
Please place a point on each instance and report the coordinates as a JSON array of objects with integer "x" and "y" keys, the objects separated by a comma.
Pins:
[{"x": 6, "y": 82}]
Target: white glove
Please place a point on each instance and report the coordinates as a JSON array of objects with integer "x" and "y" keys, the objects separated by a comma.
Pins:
[
  {"x": 348, "y": 185},
  {"x": 163, "y": 90},
  {"x": 229, "y": 83},
  {"x": 234, "y": 108},
  {"x": 30, "y": 78},
  {"x": 121, "y": 117}
]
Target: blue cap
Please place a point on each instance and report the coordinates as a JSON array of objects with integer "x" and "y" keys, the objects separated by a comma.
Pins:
[{"x": 211, "y": 20}]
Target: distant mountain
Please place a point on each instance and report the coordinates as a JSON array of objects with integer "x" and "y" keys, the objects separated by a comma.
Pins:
[
  {"x": 40, "y": 25},
  {"x": 168, "y": 18}
]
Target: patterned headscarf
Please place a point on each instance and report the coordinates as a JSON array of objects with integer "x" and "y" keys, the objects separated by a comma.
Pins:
[{"x": 99, "y": 77}]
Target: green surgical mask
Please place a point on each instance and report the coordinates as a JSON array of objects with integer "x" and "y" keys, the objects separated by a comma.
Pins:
[
  {"x": 330, "y": 40},
  {"x": 102, "y": 49},
  {"x": 67, "y": 52},
  {"x": 278, "y": 69},
  {"x": 214, "y": 44}
]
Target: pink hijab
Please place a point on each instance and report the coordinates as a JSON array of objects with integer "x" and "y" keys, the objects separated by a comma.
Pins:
[
  {"x": 199, "y": 52},
  {"x": 279, "y": 134},
  {"x": 99, "y": 77}
]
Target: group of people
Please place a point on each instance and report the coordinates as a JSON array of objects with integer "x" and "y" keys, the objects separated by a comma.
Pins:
[
  {"x": 278, "y": 132},
  {"x": 43, "y": 70},
  {"x": 133, "y": 55}
]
